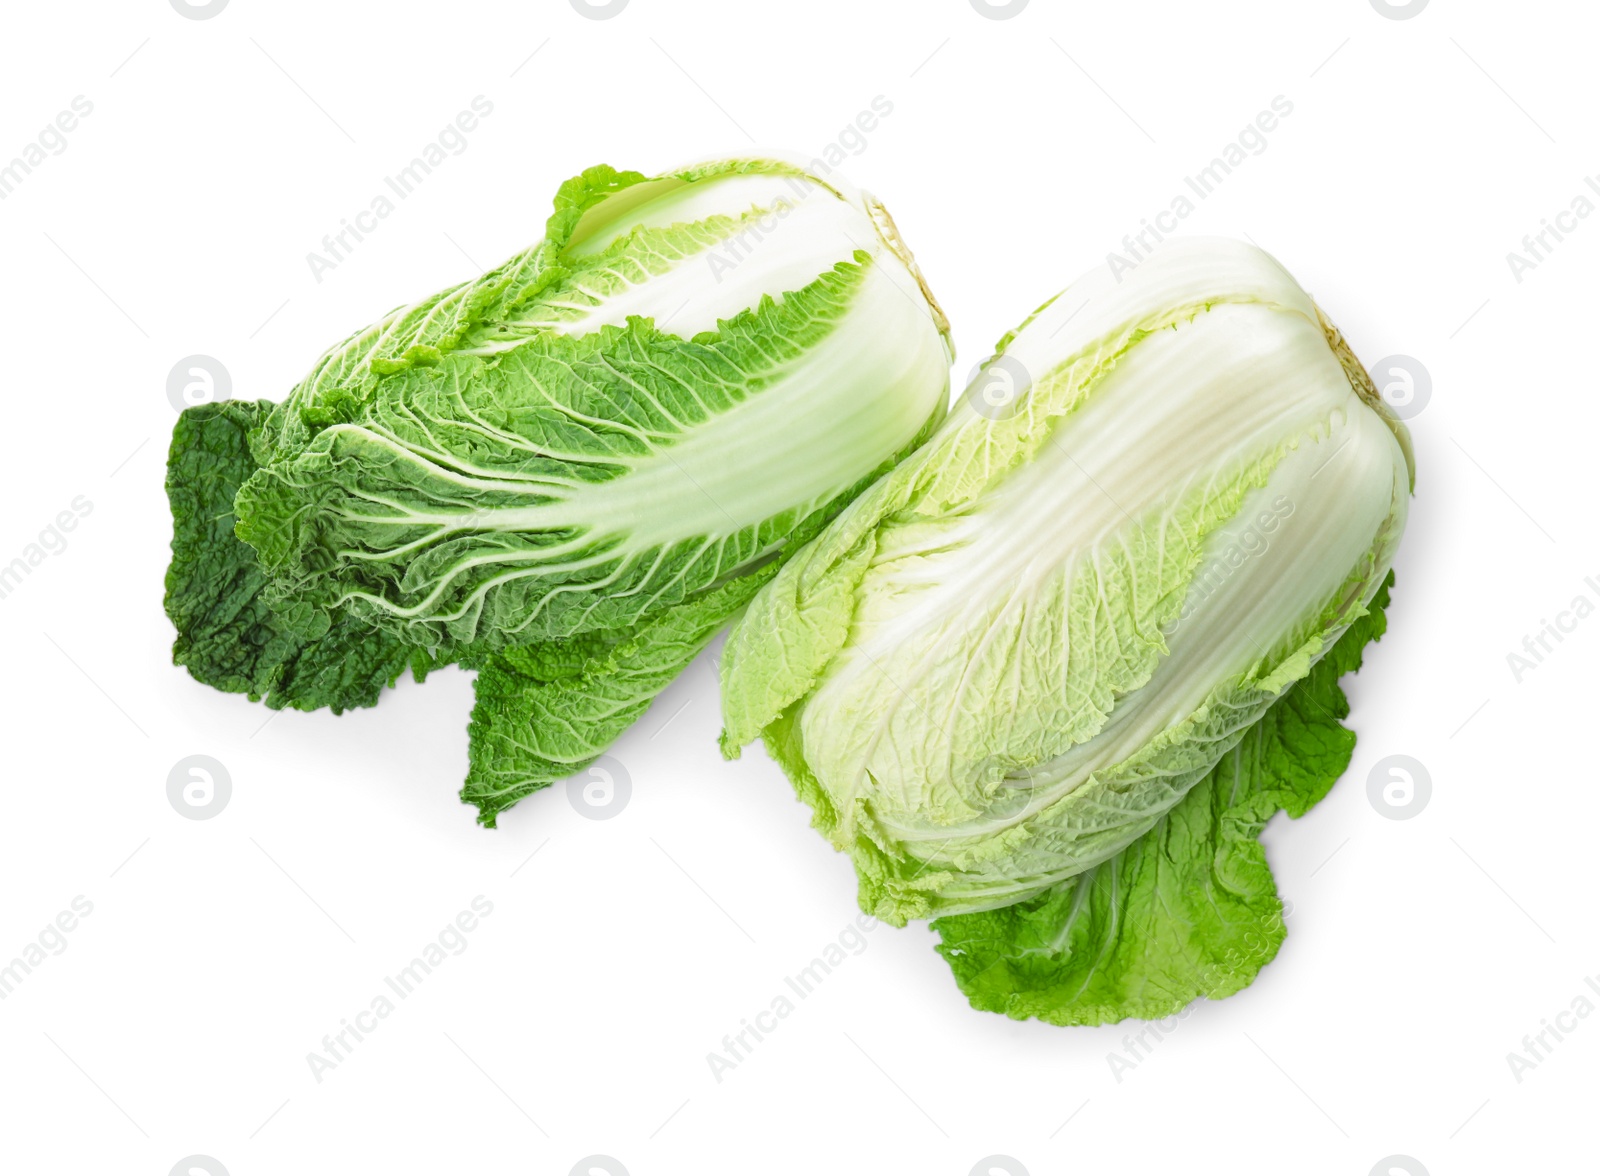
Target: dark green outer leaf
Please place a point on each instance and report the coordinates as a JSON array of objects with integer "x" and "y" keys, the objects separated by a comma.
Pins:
[
  {"x": 1188, "y": 910},
  {"x": 547, "y": 711},
  {"x": 227, "y": 635}
]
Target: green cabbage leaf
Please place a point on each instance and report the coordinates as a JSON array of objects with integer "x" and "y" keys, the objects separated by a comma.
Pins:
[
  {"x": 1153, "y": 513},
  {"x": 568, "y": 473},
  {"x": 228, "y": 635},
  {"x": 1188, "y": 910}
]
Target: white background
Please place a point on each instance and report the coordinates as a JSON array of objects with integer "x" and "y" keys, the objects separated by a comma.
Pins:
[{"x": 178, "y": 220}]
